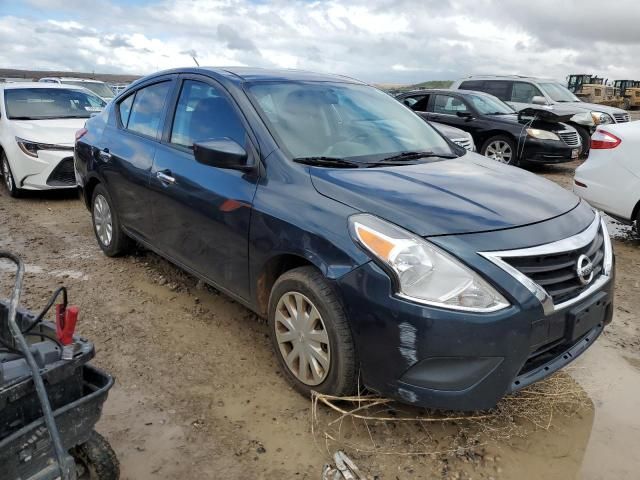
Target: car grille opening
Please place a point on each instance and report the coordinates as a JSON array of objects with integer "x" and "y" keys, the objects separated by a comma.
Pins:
[
  {"x": 570, "y": 138},
  {"x": 63, "y": 175},
  {"x": 621, "y": 117},
  {"x": 557, "y": 273},
  {"x": 464, "y": 143}
]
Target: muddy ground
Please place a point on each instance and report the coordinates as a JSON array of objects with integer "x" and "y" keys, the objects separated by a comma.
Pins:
[{"x": 199, "y": 395}]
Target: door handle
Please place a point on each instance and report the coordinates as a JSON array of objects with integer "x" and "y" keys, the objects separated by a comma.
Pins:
[
  {"x": 104, "y": 155},
  {"x": 165, "y": 177}
]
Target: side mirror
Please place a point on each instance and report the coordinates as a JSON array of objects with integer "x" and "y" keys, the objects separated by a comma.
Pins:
[
  {"x": 466, "y": 115},
  {"x": 221, "y": 153},
  {"x": 539, "y": 100}
]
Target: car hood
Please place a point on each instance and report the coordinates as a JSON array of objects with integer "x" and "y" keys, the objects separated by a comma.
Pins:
[
  {"x": 464, "y": 195},
  {"x": 59, "y": 131},
  {"x": 595, "y": 107}
]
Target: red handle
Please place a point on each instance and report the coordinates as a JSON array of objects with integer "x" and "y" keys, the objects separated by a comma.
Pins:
[{"x": 66, "y": 320}]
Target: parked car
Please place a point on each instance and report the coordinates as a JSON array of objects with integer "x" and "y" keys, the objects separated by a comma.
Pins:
[
  {"x": 382, "y": 254},
  {"x": 610, "y": 179},
  {"x": 500, "y": 132},
  {"x": 38, "y": 122},
  {"x": 522, "y": 92},
  {"x": 96, "y": 86},
  {"x": 456, "y": 135}
]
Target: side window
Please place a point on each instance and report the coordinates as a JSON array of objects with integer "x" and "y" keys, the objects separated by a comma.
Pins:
[
  {"x": 411, "y": 101},
  {"x": 498, "y": 88},
  {"x": 476, "y": 85},
  {"x": 147, "y": 109},
  {"x": 524, "y": 92},
  {"x": 448, "y": 105},
  {"x": 124, "y": 108},
  {"x": 203, "y": 113}
]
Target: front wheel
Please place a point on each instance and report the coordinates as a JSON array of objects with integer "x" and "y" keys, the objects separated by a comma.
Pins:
[
  {"x": 311, "y": 335},
  {"x": 95, "y": 459},
  {"x": 7, "y": 176},
  {"x": 501, "y": 149}
]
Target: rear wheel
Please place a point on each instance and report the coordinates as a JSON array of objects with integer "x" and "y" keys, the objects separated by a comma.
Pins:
[
  {"x": 311, "y": 335},
  {"x": 106, "y": 225},
  {"x": 7, "y": 177},
  {"x": 501, "y": 149}
]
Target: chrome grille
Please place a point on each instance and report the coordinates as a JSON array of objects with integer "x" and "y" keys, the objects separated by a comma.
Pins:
[
  {"x": 557, "y": 273},
  {"x": 569, "y": 137},
  {"x": 621, "y": 117},
  {"x": 464, "y": 143}
]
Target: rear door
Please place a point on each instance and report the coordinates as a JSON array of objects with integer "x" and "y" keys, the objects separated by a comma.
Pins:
[
  {"x": 446, "y": 109},
  {"x": 127, "y": 151},
  {"x": 201, "y": 213}
]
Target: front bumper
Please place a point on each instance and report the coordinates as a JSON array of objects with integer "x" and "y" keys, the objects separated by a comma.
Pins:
[
  {"x": 548, "y": 151},
  {"x": 51, "y": 169},
  {"x": 452, "y": 360},
  {"x": 448, "y": 359}
]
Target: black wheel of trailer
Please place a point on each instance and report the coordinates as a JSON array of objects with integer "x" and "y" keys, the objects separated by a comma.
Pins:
[{"x": 95, "y": 459}]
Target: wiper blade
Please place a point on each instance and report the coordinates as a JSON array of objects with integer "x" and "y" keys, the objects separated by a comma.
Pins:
[
  {"x": 413, "y": 156},
  {"x": 327, "y": 162}
]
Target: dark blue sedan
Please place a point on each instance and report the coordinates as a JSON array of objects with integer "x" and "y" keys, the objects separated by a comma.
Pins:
[{"x": 381, "y": 253}]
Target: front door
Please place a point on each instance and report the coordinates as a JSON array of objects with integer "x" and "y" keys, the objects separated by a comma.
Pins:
[{"x": 201, "y": 214}]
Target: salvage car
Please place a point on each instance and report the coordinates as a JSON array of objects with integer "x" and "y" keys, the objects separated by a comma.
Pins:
[
  {"x": 502, "y": 134},
  {"x": 523, "y": 92},
  {"x": 382, "y": 254},
  {"x": 38, "y": 122},
  {"x": 610, "y": 179}
]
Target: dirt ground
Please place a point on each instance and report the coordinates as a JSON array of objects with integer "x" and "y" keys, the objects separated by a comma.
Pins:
[{"x": 199, "y": 395}]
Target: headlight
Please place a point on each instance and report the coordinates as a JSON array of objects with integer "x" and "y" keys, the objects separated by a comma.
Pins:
[
  {"x": 32, "y": 148},
  {"x": 601, "y": 118},
  {"x": 584, "y": 118},
  {"x": 542, "y": 134},
  {"x": 421, "y": 271}
]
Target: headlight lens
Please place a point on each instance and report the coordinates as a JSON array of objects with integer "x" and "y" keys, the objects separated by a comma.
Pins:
[
  {"x": 601, "y": 118},
  {"x": 422, "y": 272},
  {"x": 542, "y": 134},
  {"x": 32, "y": 148}
]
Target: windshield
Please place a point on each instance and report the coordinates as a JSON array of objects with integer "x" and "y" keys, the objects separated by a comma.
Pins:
[
  {"x": 98, "y": 88},
  {"x": 340, "y": 120},
  {"x": 45, "y": 103},
  {"x": 489, "y": 105},
  {"x": 558, "y": 93}
]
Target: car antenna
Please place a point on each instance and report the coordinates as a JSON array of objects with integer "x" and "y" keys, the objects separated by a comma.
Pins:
[{"x": 194, "y": 59}]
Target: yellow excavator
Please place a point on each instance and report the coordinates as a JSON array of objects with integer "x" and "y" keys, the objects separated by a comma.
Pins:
[
  {"x": 629, "y": 91},
  {"x": 594, "y": 89}
]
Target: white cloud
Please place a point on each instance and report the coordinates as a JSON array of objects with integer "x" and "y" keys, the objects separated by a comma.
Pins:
[{"x": 376, "y": 40}]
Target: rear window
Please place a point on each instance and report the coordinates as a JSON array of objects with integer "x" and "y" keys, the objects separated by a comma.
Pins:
[{"x": 147, "y": 109}]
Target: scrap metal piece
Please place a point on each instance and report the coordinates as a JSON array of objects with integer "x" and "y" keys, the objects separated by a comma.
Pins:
[{"x": 345, "y": 469}]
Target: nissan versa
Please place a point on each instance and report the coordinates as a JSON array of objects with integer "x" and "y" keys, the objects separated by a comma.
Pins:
[{"x": 381, "y": 253}]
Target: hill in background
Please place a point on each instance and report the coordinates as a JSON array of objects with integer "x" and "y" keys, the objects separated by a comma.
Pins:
[{"x": 38, "y": 74}]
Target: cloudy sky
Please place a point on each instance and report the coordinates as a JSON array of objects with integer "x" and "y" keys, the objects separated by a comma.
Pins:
[{"x": 401, "y": 41}]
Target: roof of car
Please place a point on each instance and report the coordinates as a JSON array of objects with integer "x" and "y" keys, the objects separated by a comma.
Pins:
[
  {"x": 14, "y": 85},
  {"x": 445, "y": 90},
  {"x": 507, "y": 77},
  {"x": 254, "y": 74},
  {"x": 73, "y": 79}
]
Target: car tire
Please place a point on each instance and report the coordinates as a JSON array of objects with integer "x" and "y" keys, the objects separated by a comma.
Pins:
[
  {"x": 499, "y": 147},
  {"x": 7, "y": 177},
  {"x": 585, "y": 138},
  {"x": 106, "y": 225},
  {"x": 327, "y": 333}
]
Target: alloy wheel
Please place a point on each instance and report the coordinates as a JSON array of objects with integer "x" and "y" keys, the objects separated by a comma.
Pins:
[
  {"x": 499, "y": 150},
  {"x": 302, "y": 338},
  {"x": 6, "y": 174},
  {"x": 102, "y": 220}
]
